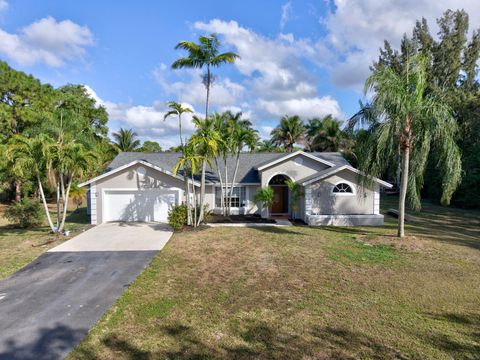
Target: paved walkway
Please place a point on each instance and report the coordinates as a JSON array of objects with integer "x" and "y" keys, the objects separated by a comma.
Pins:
[{"x": 47, "y": 307}]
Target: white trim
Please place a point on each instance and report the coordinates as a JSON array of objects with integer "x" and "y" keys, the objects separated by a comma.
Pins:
[
  {"x": 376, "y": 199},
  {"x": 123, "y": 167},
  {"x": 352, "y": 186},
  {"x": 279, "y": 173},
  {"x": 288, "y": 156},
  {"x": 93, "y": 204},
  {"x": 345, "y": 167},
  {"x": 176, "y": 190},
  {"x": 345, "y": 220}
]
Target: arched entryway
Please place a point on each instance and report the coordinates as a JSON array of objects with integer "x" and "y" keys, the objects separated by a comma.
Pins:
[{"x": 280, "y": 205}]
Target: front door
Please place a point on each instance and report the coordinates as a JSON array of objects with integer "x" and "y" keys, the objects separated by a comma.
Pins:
[{"x": 280, "y": 201}]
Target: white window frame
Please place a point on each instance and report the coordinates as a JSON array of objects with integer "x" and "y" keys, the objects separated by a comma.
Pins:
[
  {"x": 352, "y": 186},
  {"x": 245, "y": 200}
]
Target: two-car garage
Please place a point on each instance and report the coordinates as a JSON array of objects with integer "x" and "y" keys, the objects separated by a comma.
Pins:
[
  {"x": 138, "y": 205},
  {"x": 137, "y": 191}
]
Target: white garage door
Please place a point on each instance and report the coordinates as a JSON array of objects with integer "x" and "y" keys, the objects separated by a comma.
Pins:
[{"x": 145, "y": 205}]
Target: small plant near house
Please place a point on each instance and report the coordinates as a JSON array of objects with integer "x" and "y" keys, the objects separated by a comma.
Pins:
[
  {"x": 25, "y": 213},
  {"x": 295, "y": 194},
  {"x": 177, "y": 217},
  {"x": 265, "y": 196}
]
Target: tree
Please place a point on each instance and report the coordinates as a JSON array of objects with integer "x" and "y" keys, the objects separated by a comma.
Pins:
[
  {"x": 325, "y": 134},
  {"x": 412, "y": 122},
  {"x": 295, "y": 194},
  {"x": 265, "y": 197},
  {"x": 204, "y": 54},
  {"x": 242, "y": 136},
  {"x": 150, "y": 146},
  {"x": 126, "y": 140},
  {"x": 268, "y": 146},
  {"x": 206, "y": 141},
  {"x": 177, "y": 109},
  {"x": 290, "y": 131}
]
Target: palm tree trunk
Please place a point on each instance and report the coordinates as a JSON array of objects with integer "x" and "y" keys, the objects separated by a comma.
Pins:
[
  {"x": 202, "y": 191},
  {"x": 194, "y": 202},
  {"x": 58, "y": 203},
  {"x": 208, "y": 91},
  {"x": 187, "y": 197},
  {"x": 222, "y": 205},
  {"x": 45, "y": 206},
  {"x": 18, "y": 190},
  {"x": 225, "y": 204},
  {"x": 233, "y": 183},
  {"x": 405, "y": 142},
  {"x": 65, "y": 204}
]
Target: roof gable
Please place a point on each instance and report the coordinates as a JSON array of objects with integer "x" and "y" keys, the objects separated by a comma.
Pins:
[{"x": 293, "y": 155}]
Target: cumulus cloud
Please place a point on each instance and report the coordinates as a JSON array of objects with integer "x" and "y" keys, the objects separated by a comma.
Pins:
[
  {"x": 146, "y": 120},
  {"x": 46, "y": 41},
  {"x": 276, "y": 79},
  {"x": 357, "y": 29}
]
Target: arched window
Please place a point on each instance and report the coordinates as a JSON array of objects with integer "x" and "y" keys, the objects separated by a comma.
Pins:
[{"x": 342, "y": 188}]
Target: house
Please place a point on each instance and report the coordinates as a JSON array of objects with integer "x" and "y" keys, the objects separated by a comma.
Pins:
[{"x": 141, "y": 187}]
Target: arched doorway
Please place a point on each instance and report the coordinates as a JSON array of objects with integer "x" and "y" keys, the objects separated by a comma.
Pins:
[{"x": 280, "y": 205}]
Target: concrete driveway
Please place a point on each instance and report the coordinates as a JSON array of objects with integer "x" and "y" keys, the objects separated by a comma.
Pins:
[{"x": 47, "y": 307}]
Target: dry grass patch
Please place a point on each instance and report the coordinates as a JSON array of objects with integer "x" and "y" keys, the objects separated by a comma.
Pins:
[{"x": 297, "y": 292}]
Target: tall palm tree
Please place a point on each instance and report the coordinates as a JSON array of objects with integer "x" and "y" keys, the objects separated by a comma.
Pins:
[
  {"x": 204, "y": 54},
  {"x": 177, "y": 109},
  {"x": 29, "y": 155},
  {"x": 126, "y": 140},
  {"x": 206, "y": 141},
  {"x": 290, "y": 131},
  {"x": 268, "y": 146},
  {"x": 412, "y": 121},
  {"x": 243, "y": 135}
]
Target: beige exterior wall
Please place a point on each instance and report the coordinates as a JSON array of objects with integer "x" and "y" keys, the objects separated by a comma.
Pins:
[
  {"x": 324, "y": 202},
  {"x": 293, "y": 170},
  {"x": 129, "y": 178}
]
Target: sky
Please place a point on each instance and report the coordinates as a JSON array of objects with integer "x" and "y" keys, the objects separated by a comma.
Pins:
[{"x": 306, "y": 58}]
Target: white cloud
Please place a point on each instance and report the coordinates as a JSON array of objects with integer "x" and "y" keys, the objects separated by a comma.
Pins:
[
  {"x": 3, "y": 5},
  {"x": 46, "y": 41},
  {"x": 147, "y": 120},
  {"x": 357, "y": 29},
  {"x": 286, "y": 14},
  {"x": 276, "y": 79},
  {"x": 305, "y": 107}
]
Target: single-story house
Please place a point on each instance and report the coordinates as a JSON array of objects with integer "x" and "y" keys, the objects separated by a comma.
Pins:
[{"x": 141, "y": 187}]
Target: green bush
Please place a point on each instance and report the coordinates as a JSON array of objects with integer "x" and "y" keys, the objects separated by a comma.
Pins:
[
  {"x": 177, "y": 216},
  {"x": 25, "y": 213}
]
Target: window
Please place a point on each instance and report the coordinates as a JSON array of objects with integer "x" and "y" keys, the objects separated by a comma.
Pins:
[
  {"x": 238, "y": 197},
  {"x": 298, "y": 161},
  {"x": 342, "y": 188}
]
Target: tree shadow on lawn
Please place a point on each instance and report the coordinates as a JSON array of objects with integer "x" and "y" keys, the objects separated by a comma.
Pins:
[
  {"x": 469, "y": 348},
  {"x": 277, "y": 230},
  {"x": 259, "y": 339},
  {"x": 51, "y": 343}
]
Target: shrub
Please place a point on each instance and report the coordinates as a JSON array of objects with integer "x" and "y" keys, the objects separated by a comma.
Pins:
[
  {"x": 177, "y": 216},
  {"x": 25, "y": 213}
]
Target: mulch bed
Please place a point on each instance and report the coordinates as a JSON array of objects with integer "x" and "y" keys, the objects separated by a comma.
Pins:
[{"x": 233, "y": 219}]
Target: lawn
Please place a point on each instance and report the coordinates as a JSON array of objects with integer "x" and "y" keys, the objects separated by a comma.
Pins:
[
  {"x": 302, "y": 292},
  {"x": 18, "y": 247}
]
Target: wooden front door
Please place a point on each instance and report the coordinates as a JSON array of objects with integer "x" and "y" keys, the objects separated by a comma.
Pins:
[{"x": 279, "y": 205}]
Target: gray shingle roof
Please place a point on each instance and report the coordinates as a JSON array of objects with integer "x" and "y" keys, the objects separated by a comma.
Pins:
[{"x": 246, "y": 170}]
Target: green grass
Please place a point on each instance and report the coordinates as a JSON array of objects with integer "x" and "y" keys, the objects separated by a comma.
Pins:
[
  {"x": 303, "y": 292},
  {"x": 18, "y": 247}
]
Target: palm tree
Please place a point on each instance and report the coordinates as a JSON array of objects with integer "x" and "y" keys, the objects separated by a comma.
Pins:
[
  {"x": 327, "y": 137},
  {"x": 204, "y": 54},
  {"x": 243, "y": 135},
  {"x": 126, "y": 140},
  {"x": 265, "y": 196},
  {"x": 177, "y": 109},
  {"x": 206, "y": 141},
  {"x": 290, "y": 131},
  {"x": 29, "y": 155},
  {"x": 412, "y": 121},
  {"x": 268, "y": 146}
]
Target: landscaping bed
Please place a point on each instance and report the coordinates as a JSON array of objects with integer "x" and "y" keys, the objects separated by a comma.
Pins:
[{"x": 239, "y": 219}]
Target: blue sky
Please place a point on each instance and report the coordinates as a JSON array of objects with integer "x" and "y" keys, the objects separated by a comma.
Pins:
[{"x": 297, "y": 57}]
